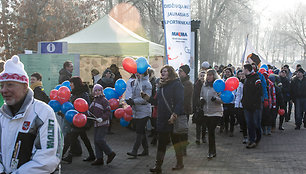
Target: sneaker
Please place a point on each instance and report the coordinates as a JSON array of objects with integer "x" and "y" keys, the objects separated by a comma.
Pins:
[
  {"x": 281, "y": 128},
  {"x": 251, "y": 145},
  {"x": 245, "y": 140},
  {"x": 211, "y": 155}
]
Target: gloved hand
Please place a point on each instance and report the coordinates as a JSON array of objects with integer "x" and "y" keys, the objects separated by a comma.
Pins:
[
  {"x": 130, "y": 102},
  {"x": 266, "y": 103},
  {"x": 145, "y": 96},
  {"x": 213, "y": 99},
  {"x": 202, "y": 101}
]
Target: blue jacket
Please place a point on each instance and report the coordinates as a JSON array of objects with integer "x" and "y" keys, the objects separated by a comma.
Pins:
[
  {"x": 264, "y": 87},
  {"x": 174, "y": 94}
]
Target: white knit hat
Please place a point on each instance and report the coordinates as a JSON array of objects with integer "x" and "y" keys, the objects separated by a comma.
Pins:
[
  {"x": 205, "y": 65},
  {"x": 14, "y": 71}
]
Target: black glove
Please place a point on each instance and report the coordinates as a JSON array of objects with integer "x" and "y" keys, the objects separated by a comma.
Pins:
[
  {"x": 202, "y": 102},
  {"x": 130, "y": 102},
  {"x": 213, "y": 99}
]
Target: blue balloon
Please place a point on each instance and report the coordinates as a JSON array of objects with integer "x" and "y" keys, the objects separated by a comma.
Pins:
[
  {"x": 227, "y": 96},
  {"x": 70, "y": 114},
  {"x": 124, "y": 123},
  {"x": 120, "y": 86},
  {"x": 110, "y": 93},
  {"x": 265, "y": 67},
  {"x": 67, "y": 84},
  {"x": 219, "y": 85},
  {"x": 66, "y": 107},
  {"x": 142, "y": 65},
  {"x": 58, "y": 87},
  {"x": 55, "y": 105}
]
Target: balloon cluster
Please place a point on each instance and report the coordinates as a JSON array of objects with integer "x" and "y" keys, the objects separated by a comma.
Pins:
[
  {"x": 226, "y": 88},
  {"x": 140, "y": 65},
  {"x": 112, "y": 95},
  {"x": 125, "y": 115},
  {"x": 60, "y": 102}
]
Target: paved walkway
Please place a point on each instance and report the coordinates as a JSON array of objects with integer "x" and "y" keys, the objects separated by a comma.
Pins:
[{"x": 282, "y": 152}]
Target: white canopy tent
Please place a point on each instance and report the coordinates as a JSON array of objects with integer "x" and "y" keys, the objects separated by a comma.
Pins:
[{"x": 107, "y": 37}]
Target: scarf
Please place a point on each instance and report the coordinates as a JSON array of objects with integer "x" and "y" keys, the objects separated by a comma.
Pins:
[
  {"x": 271, "y": 95},
  {"x": 36, "y": 84}
]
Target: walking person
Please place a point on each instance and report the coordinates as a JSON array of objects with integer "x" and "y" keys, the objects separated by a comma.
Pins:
[
  {"x": 198, "y": 116},
  {"x": 100, "y": 109},
  {"x": 228, "y": 108},
  {"x": 298, "y": 95},
  {"x": 238, "y": 106},
  {"x": 251, "y": 102},
  {"x": 141, "y": 112},
  {"x": 188, "y": 93},
  {"x": 286, "y": 93},
  {"x": 170, "y": 90},
  {"x": 78, "y": 90},
  {"x": 212, "y": 108}
]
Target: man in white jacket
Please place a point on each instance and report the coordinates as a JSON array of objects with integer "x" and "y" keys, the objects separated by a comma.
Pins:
[{"x": 30, "y": 138}]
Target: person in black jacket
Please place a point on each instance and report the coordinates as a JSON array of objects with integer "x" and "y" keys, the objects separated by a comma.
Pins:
[
  {"x": 173, "y": 91},
  {"x": 251, "y": 102},
  {"x": 115, "y": 70},
  {"x": 298, "y": 95},
  {"x": 286, "y": 92},
  {"x": 36, "y": 86},
  {"x": 66, "y": 72},
  {"x": 79, "y": 90}
]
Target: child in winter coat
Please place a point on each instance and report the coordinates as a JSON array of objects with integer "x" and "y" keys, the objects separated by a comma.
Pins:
[{"x": 100, "y": 108}]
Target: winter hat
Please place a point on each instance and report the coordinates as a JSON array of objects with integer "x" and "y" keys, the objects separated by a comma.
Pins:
[
  {"x": 185, "y": 68},
  {"x": 97, "y": 87},
  {"x": 14, "y": 71},
  {"x": 301, "y": 70},
  {"x": 205, "y": 65}
]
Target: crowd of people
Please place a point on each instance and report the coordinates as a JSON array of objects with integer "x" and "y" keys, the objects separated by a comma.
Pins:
[{"x": 165, "y": 102}]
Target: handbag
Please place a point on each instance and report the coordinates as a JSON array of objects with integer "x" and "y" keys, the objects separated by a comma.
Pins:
[{"x": 180, "y": 124}]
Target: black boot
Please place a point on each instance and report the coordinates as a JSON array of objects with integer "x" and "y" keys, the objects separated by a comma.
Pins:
[
  {"x": 90, "y": 158},
  {"x": 136, "y": 146},
  {"x": 158, "y": 163},
  {"x": 68, "y": 158},
  {"x": 110, "y": 157},
  {"x": 98, "y": 162},
  {"x": 179, "y": 163}
]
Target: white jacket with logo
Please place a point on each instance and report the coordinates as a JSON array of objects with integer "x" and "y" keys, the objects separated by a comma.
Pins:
[{"x": 31, "y": 141}]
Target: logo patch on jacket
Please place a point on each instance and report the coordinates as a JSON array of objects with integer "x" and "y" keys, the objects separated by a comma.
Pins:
[{"x": 26, "y": 125}]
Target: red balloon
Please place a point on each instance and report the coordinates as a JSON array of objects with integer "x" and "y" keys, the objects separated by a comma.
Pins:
[
  {"x": 129, "y": 65},
  {"x": 281, "y": 112},
  {"x": 113, "y": 103},
  {"x": 80, "y": 105},
  {"x": 63, "y": 94},
  {"x": 119, "y": 113},
  {"x": 79, "y": 120},
  {"x": 127, "y": 117},
  {"x": 262, "y": 70},
  {"x": 53, "y": 94},
  {"x": 231, "y": 84},
  {"x": 128, "y": 110},
  {"x": 270, "y": 71}
]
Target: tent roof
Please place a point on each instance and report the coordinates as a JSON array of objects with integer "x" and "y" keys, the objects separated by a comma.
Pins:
[{"x": 108, "y": 37}]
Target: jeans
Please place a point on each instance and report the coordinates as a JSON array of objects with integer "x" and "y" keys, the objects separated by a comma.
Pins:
[
  {"x": 229, "y": 116},
  {"x": 212, "y": 123},
  {"x": 73, "y": 136},
  {"x": 254, "y": 128},
  {"x": 299, "y": 106},
  {"x": 163, "y": 140},
  {"x": 200, "y": 129},
  {"x": 100, "y": 143},
  {"x": 141, "y": 138},
  {"x": 242, "y": 122}
]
